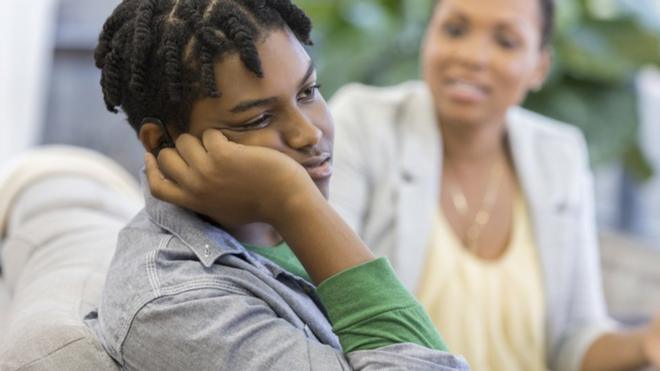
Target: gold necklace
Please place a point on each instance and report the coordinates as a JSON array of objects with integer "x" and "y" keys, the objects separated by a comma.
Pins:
[{"x": 483, "y": 215}]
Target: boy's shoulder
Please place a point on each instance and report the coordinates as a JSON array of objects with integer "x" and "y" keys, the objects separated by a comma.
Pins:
[{"x": 152, "y": 263}]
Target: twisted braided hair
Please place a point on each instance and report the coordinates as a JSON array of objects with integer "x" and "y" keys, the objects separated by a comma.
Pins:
[{"x": 157, "y": 56}]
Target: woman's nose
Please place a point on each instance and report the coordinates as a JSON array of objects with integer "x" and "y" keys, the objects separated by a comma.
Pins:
[{"x": 475, "y": 51}]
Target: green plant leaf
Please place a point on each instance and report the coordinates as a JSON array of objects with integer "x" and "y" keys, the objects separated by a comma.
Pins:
[
  {"x": 638, "y": 164},
  {"x": 607, "y": 114},
  {"x": 610, "y": 51}
]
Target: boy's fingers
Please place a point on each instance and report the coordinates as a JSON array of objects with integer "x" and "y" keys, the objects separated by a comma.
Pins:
[
  {"x": 191, "y": 149},
  {"x": 214, "y": 141},
  {"x": 160, "y": 186},
  {"x": 152, "y": 169},
  {"x": 172, "y": 165}
]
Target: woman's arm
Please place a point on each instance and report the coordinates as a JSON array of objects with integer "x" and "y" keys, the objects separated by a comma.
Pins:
[
  {"x": 619, "y": 351},
  {"x": 615, "y": 352},
  {"x": 612, "y": 350}
]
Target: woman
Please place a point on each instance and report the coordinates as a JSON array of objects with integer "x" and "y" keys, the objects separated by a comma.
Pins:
[
  {"x": 480, "y": 203},
  {"x": 230, "y": 282}
]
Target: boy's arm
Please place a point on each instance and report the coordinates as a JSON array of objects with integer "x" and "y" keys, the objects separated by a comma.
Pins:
[
  {"x": 259, "y": 184},
  {"x": 223, "y": 328}
]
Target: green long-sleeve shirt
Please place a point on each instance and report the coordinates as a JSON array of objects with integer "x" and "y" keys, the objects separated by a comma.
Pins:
[{"x": 367, "y": 305}]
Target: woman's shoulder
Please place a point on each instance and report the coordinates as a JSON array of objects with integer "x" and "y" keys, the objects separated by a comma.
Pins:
[
  {"x": 542, "y": 134},
  {"x": 551, "y": 156},
  {"x": 357, "y": 97},
  {"x": 534, "y": 124},
  {"x": 375, "y": 113},
  {"x": 386, "y": 93}
]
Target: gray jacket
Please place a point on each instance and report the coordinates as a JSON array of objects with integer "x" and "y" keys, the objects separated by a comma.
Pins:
[
  {"x": 182, "y": 294},
  {"x": 388, "y": 156}
]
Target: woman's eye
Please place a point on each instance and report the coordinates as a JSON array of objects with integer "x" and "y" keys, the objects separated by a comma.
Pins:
[
  {"x": 506, "y": 42},
  {"x": 309, "y": 93},
  {"x": 454, "y": 30}
]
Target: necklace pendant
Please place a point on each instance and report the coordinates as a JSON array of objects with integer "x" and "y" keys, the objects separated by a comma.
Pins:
[
  {"x": 472, "y": 234},
  {"x": 482, "y": 218},
  {"x": 460, "y": 203}
]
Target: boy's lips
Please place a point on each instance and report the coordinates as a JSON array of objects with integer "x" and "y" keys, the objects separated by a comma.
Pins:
[{"x": 319, "y": 167}]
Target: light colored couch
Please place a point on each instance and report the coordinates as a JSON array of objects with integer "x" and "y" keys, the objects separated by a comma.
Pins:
[
  {"x": 67, "y": 206},
  {"x": 631, "y": 278}
]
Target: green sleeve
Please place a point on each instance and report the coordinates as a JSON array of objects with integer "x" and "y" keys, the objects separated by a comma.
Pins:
[{"x": 369, "y": 308}]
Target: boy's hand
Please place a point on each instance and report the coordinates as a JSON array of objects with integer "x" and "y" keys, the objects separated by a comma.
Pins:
[{"x": 229, "y": 182}]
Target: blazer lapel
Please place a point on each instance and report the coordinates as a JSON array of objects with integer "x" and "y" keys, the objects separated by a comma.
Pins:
[
  {"x": 544, "y": 184},
  {"x": 419, "y": 169}
]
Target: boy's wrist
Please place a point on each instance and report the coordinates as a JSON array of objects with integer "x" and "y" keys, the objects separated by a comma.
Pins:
[{"x": 298, "y": 202}]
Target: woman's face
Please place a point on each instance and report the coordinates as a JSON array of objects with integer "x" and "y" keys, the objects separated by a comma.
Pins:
[
  {"x": 283, "y": 110},
  {"x": 479, "y": 58}
]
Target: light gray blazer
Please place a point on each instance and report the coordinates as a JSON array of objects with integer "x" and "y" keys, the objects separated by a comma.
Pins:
[{"x": 386, "y": 183}]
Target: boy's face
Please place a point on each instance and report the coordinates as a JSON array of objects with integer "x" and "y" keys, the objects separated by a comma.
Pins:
[{"x": 283, "y": 110}]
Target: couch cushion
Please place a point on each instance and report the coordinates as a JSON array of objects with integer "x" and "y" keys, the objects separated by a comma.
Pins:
[
  {"x": 4, "y": 306},
  {"x": 60, "y": 240},
  {"x": 81, "y": 353},
  {"x": 631, "y": 278}
]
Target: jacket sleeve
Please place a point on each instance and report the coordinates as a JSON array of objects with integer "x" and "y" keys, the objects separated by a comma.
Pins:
[
  {"x": 587, "y": 317},
  {"x": 226, "y": 329}
]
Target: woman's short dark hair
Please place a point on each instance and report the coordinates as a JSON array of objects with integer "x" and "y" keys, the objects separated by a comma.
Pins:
[
  {"x": 548, "y": 25},
  {"x": 157, "y": 56}
]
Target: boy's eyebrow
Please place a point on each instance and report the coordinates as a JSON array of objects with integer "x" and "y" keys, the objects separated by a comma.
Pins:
[
  {"x": 310, "y": 71},
  {"x": 247, "y": 105}
]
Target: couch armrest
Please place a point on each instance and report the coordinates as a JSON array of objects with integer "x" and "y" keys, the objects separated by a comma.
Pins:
[{"x": 631, "y": 278}]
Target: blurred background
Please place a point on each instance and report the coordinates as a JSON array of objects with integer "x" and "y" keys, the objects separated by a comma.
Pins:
[{"x": 605, "y": 80}]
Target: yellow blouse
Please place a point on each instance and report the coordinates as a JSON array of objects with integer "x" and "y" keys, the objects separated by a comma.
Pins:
[{"x": 491, "y": 312}]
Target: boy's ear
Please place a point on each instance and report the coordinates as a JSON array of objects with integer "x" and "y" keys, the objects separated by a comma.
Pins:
[{"x": 152, "y": 137}]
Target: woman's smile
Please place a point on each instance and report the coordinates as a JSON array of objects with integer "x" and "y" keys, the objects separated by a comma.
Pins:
[{"x": 465, "y": 91}]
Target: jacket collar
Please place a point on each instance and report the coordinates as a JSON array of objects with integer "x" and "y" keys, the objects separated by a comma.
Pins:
[
  {"x": 419, "y": 135},
  {"x": 205, "y": 240},
  {"x": 208, "y": 242},
  {"x": 420, "y": 148},
  {"x": 541, "y": 168}
]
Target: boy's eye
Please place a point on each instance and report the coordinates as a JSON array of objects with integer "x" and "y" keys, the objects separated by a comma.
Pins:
[
  {"x": 258, "y": 123},
  {"x": 308, "y": 94}
]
